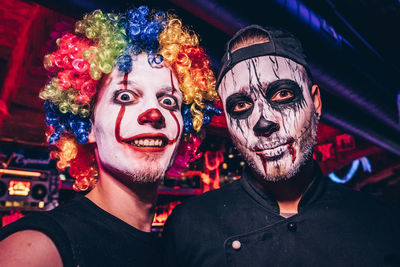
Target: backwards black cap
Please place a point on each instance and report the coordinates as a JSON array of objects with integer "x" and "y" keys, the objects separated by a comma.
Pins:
[{"x": 281, "y": 43}]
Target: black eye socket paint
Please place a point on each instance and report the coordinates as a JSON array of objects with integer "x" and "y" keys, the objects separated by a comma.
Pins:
[
  {"x": 295, "y": 102},
  {"x": 233, "y": 100}
]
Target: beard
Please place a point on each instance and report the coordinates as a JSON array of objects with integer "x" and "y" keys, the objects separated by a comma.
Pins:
[
  {"x": 147, "y": 175},
  {"x": 151, "y": 172},
  {"x": 305, "y": 142}
]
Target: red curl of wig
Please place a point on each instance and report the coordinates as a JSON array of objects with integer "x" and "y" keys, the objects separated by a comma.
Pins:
[
  {"x": 72, "y": 67},
  {"x": 83, "y": 168}
]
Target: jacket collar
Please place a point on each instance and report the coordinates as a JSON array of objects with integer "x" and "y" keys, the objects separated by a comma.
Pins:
[{"x": 312, "y": 194}]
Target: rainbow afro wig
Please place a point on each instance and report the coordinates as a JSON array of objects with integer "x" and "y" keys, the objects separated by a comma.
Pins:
[{"x": 102, "y": 41}]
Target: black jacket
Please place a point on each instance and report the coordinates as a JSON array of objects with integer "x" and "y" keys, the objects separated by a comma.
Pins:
[{"x": 240, "y": 225}]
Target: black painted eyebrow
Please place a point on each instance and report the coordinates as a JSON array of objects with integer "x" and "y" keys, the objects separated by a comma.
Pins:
[
  {"x": 162, "y": 93},
  {"x": 168, "y": 89},
  {"x": 243, "y": 91},
  {"x": 236, "y": 96}
]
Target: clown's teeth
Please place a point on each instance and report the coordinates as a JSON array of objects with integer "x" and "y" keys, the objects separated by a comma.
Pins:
[{"x": 149, "y": 142}]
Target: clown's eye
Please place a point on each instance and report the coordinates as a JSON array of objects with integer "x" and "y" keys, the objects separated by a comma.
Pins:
[
  {"x": 124, "y": 97},
  {"x": 283, "y": 95},
  {"x": 168, "y": 102},
  {"x": 242, "y": 106}
]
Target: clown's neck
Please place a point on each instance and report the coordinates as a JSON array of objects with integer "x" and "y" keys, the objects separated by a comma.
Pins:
[
  {"x": 134, "y": 205},
  {"x": 288, "y": 193}
]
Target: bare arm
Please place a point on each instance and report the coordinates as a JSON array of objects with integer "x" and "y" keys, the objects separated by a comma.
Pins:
[{"x": 29, "y": 248}]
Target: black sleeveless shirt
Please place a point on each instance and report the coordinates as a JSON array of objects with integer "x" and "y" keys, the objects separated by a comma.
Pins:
[{"x": 86, "y": 235}]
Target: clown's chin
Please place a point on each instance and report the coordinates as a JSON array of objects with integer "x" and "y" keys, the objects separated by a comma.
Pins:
[
  {"x": 150, "y": 174},
  {"x": 137, "y": 174}
]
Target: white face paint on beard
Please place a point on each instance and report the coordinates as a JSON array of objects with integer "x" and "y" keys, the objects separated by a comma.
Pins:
[
  {"x": 137, "y": 122},
  {"x": 271, "y": 115}
]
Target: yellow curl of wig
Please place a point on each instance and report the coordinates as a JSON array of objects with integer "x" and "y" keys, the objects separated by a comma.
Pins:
[{"x": 180, "y": 49}]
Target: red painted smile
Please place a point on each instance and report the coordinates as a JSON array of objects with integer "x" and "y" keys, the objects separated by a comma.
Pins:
[{"x": 147, "y": 142}]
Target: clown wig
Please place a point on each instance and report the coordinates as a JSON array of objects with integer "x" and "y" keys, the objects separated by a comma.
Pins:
[{"x": 100, "y": 42}]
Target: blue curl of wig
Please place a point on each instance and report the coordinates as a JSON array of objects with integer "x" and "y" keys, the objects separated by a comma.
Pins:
[
  {"x": 208, "y": 112},
  {"x": 143, "y": 34},
  {"x": 124, "y": 63},
  {"x": 187, "y": 119},
  {"x": 68, "y": 122}
]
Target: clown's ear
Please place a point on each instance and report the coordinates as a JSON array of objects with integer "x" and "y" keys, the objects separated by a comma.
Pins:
[{"x": 92, "y": 138}]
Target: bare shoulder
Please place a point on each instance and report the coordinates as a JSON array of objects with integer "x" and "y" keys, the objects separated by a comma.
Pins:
[{"x": 29, "y": 248}]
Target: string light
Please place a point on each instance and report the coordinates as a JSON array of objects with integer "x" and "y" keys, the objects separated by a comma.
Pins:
[{"x": 353, "y": 169}]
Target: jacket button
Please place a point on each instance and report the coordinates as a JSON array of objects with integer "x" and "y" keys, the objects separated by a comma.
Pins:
[
  {"x": 236, "y": 245},
  {"x": 292, "y": 226}
]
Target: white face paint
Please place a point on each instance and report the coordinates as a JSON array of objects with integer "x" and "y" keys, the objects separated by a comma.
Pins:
[
  {"x": 137, "y": 122},
  {"x": 271, "y": 115}
]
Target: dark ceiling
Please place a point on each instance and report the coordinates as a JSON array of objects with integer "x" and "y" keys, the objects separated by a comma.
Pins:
[{"x": 376, "y": 21}]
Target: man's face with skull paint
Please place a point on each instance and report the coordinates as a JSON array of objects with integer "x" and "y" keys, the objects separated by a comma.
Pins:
[
  {"x": 137, "y": 121},
  {"x": 271, "y": 115}
]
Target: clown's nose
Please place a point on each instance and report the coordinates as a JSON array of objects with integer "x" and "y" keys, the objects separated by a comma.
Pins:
[{"x": 152, "y": 116}]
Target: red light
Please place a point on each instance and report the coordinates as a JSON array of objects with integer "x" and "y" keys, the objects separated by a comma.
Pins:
[
  {"x": 324, "y": 152},
  {"x": 163, "y": 212},
  {"x": 19, "y": 188},
  {"x": 14, "y": 215},
  {"x": 210, "y": 183},
  {"x": 345, "y": 142}
]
